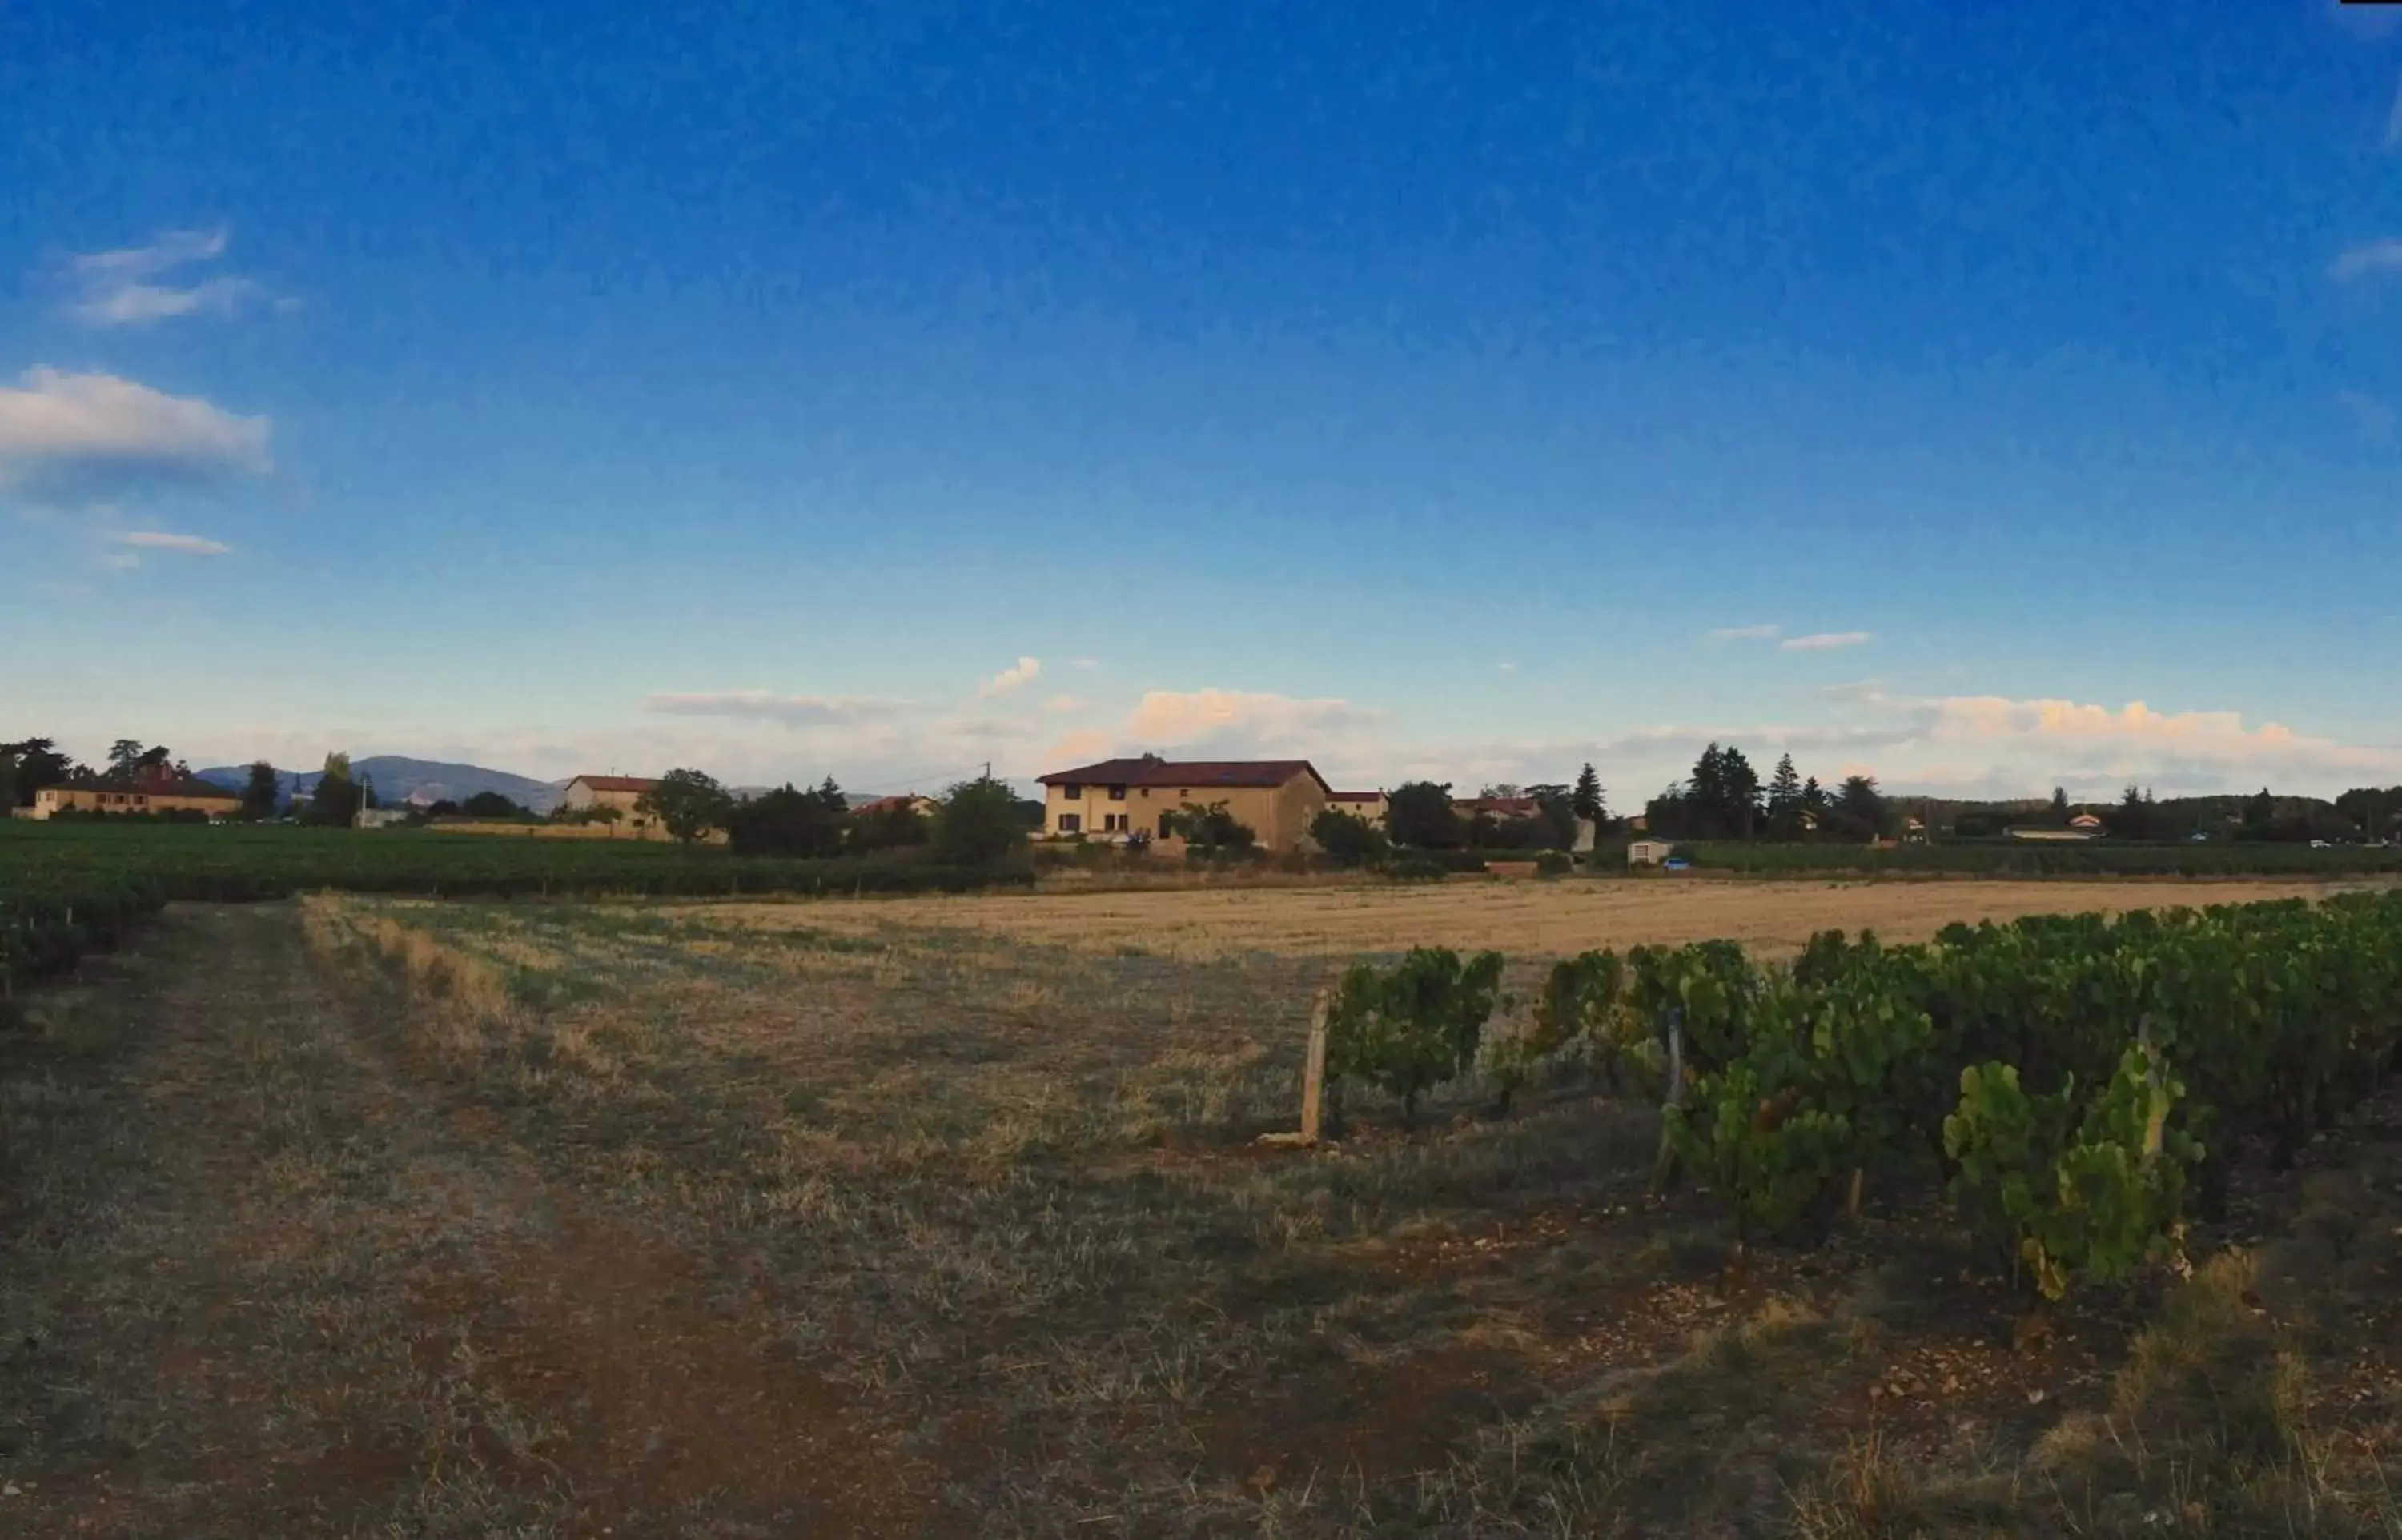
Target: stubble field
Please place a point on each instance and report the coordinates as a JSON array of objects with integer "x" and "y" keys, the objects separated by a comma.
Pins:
[
  {"x": 372, "y": 1217},
  {"x": 1533, "y": 919}
]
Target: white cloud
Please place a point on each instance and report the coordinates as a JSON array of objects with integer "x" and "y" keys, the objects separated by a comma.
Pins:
[
  {"x": 84, "y": 438},
  {"x": 1083, "y": 662},
  {"x": 171, "y": 249},
  {"x": 1823, "y": 641},
  {"x": 116, "y": 288},
  {"x": 138, "y": 304},
  {"x": 1745, "y": 633},
  {"x": 1505, "y": 667},
  {"x": 1233, "y": 719},
  {"x": 766, "y": 705},
  {"x": 2372, "y": 419},
  {"x": 159, "y": 540},
  {"x": 2378, "y": 256},
  {"x": 1082, "y": 746},
  {"x": 1064, "y": 705},
  {"x": 1014, "y": 678}
]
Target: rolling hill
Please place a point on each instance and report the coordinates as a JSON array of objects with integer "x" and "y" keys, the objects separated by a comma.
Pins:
[{"x": 398, "y": 780}]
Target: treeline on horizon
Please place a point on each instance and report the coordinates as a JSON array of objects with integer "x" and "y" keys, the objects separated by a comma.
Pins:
[{"x": 1724, "y": 799}]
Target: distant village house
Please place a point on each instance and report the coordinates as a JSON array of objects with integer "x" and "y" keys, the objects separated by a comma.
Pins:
[
  {"x": 590, "y": 794},
  {"x": 1368, "y": 808}
]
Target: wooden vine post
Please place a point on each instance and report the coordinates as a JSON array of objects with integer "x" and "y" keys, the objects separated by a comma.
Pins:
[
  {"x": 1313, "y": 1075},
  {"x": 1664, "y": 1169}
]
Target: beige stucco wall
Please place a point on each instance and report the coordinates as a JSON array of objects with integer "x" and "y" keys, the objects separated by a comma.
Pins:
[
  {"x": 582, "y": 797},
  {"x": 64, "y": 799}
]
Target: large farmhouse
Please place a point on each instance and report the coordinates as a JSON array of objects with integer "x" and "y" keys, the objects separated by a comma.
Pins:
[
  {"x": 1119, "y": 799},
  {"x": 153, "y": 790}
]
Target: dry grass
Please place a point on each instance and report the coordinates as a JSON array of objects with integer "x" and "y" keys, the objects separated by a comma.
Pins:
[
  {"x": 451, "y": 1220},
  {"x": 1532, "y": 919}
]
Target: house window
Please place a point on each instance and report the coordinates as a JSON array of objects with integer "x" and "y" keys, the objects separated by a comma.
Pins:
[
  {"x": 1071, "y": 823},
  {"x": 1114, "y": 823},
  {"x": 1073, "y": 793},
  {"x": 1117, "y": 793},
  {"x": 1146, "y": 793}
]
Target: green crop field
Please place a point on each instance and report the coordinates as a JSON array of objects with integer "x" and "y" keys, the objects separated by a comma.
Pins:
[{"x": 66, "y": 888}]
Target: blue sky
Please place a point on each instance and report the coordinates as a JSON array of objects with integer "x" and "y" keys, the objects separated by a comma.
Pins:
[{"x": 1428, "y": 391}]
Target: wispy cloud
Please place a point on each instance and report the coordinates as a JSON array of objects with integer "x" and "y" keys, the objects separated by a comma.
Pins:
[
  {"x": 1014, "y": 678},
  {"x": 1067, "y": 705},
  {"x": 133, "y": 287},
  {"x": 767, "y": 705},
  {"x": 1820, "y": 641},
  {"x": 1083, "y": 662},
  {"x": 85, "y": 438},
  {"x": 160, "y": 540},
  {"x": 2378, "y": 256},
  {"x": 1746, "y": 633}
]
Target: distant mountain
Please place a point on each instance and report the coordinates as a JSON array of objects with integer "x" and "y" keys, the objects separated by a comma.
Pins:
[{"x": 398, "y": 780}]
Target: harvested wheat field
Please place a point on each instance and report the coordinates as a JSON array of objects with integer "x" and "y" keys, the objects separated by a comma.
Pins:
[
  {"x": 1535, "y": 919},
  {"x": 385, "y": 1217}
]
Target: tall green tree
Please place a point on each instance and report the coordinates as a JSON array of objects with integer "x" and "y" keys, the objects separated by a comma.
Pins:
[
  {"x": 338, "y": 797},
  {"x": 688, "y": 803},
  {"x": 260, "y": 793},
  {"x": 1587, "y": 797},
  {"x": 978, "y": 824},
  {"x": 1556, "y": 816},
  {"x": 2060, "y": 808},
  {"x": 1725, "y": 793},
  {"x": 2259, "y": 814},
  {"x": 124, "y": 757},
  {"x": 1785, "y": 801},
  {"x": 1348, "y": 840},
  {"x": 1420, "y": 815},
  {"x": 1859, "y": 807},
  {"x": 30, "y": 764},
  {"x": 787, "y": 822}
]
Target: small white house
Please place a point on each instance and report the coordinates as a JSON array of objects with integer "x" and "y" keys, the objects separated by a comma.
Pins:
[
  {"x": 1649, "y": 852},
  {"x": 379, "y": 817}
]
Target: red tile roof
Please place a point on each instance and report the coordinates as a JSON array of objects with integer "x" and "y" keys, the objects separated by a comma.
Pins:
[
  {"x": 1150, "y": 770},
  {"x": 1354, "y": 796},
  {"x": 617, "y": 783},
  {"x": 886, "y": 804}
]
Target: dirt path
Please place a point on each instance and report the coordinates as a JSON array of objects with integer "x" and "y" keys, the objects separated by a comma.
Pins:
[{"x": 256, "y": 1280}]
